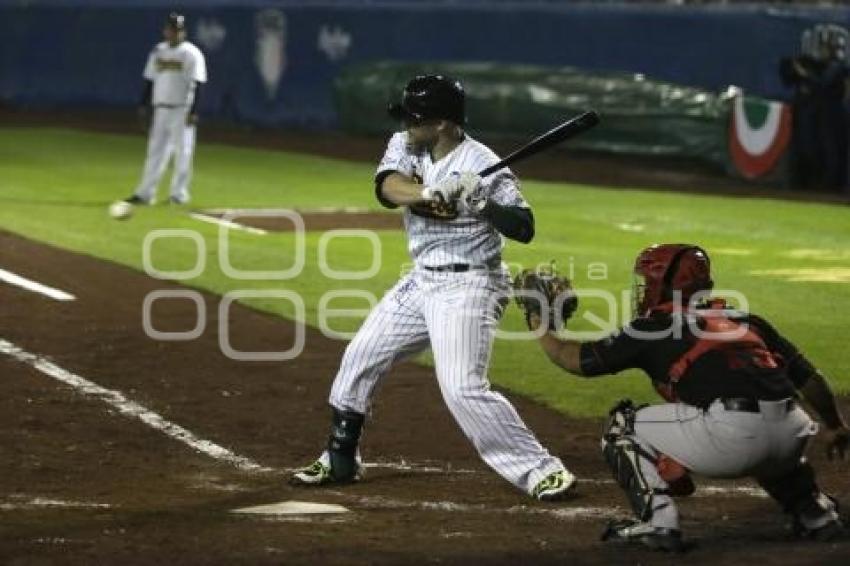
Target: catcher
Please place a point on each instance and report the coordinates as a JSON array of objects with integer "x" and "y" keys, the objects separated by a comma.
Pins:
[{"x": 731, "y": 383}]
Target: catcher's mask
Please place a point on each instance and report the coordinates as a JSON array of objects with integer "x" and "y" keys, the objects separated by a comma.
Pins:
[
  {"x": 430, "y": 97},
  {"x": 665, "y": 272}
]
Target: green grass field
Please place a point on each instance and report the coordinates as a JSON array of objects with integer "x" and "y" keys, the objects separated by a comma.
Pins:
[{"x": 791, "y": 260}]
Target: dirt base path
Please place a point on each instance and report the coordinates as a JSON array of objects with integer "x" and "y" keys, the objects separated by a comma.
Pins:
[{"x": 84, "y": 483}]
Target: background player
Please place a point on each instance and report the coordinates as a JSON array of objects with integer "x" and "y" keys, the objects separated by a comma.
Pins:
[
  {"x": 173, "y": 76},
  {"x": 730, "y": 380},
  {"x": 453, "y": 298}
]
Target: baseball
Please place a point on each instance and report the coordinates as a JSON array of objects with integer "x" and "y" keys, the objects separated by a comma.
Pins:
[{"x": 120, "y": 210}]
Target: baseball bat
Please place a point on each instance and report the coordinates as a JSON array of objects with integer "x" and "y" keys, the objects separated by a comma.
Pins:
[{"x": 553, "y": 137}]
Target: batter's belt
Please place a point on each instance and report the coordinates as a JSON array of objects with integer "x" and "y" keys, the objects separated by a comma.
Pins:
[{"x": 463, "y": 267}]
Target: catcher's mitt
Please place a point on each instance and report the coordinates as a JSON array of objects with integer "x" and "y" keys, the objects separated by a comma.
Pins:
[{"x": 545, "y": 294}]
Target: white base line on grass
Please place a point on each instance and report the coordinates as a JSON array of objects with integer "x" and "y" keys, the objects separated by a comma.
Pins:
[
  {"x": 318, "y": 210},
  {"x": 34, "y": 286},
  {"x": 228, "y": 223},
  {"x": 117, "y": 400}
]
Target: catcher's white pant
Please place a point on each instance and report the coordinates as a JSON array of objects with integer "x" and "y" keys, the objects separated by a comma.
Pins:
[
  {"x": 457, "y": 314},
  {"x": 169, "y": 134},
  {"x": 718, "y": 443}
]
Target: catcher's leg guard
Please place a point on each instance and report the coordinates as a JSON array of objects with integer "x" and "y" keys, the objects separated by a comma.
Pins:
[
  {"x": 342, "y": 444},
  {"x": 622, "y": 453},
  {"x": 815, "y": 514}
]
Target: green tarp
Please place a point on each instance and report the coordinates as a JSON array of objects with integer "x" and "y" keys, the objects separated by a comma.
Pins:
[{"x": 639, "y": 116}]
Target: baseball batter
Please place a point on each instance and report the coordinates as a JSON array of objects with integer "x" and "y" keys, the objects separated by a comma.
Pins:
[
  {"x": 453, "y": 298},
  {"x": 173, "y": 74},
  {"x": 730, "y": 381}
]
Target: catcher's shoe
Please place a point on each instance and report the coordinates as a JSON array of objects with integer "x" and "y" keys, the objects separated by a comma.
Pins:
[
  {"x": 831, "y": 531},
  {"x": 821, "y": 521},
  {"x": 638, "y": 532},
  {"x": 319, "y": 473},
  {"x": 554, "y": 487}
]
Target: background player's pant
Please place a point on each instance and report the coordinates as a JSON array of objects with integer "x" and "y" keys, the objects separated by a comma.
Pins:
[
  {"x": 717, "y": 443},
  {"x": 458, "y": 314},
  {"x": 169, "y": 134}
]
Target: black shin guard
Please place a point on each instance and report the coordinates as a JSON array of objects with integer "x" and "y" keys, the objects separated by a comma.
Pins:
[
  {"x": 798, "y": 494},
  {"x": 342, "y": 444},
  {"x": 622, "y": 456},
  {"x": 622, "y": 453},
  {"x": 794, "y": 489}
]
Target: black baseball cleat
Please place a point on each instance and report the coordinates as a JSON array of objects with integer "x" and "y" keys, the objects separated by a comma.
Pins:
[
  {"x": 819, "y": 520},
  {"x": 638, "y": 532},
  {"x": 828, "y": 531},
  {"x": 136, "y": 199},
  {"x": 319, "y": 473}
]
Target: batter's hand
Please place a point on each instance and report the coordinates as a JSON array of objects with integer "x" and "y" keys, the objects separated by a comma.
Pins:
[
  {"x": 838, "y": 442},
  {"x": 445, "y": 192},
  {"x": 472, "y": 198}
]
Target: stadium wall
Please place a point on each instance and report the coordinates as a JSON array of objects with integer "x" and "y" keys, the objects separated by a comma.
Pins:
[{"x": 273, "y": 63}]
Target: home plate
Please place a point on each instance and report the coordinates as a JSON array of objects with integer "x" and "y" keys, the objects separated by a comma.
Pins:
[{"x": 293, "y": 508}]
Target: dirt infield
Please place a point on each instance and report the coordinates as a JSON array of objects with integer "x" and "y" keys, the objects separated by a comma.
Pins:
[{"x": 84, "y": 483}]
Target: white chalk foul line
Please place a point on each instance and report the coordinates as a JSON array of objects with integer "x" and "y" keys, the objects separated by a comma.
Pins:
[
  {"x": 563, "y": 513},
  {"x": 117, "y": 400},
  {"x": 21, "y": 502},
  {"x": 34, "y": 286},
  {"x": 423, "y": 468},
  {"x": 702, "y": 491},
  {"x": 227, "y": 223}
]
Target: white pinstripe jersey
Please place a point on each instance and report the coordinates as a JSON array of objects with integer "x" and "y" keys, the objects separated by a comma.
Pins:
[
  {"x": 174, "y": 72},
  {"x": 436, "y": 242}
]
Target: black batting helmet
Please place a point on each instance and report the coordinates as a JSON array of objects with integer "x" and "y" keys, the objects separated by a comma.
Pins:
[
  {"x": 431, "y": 97},
  {"x": 176, "y": 20}
]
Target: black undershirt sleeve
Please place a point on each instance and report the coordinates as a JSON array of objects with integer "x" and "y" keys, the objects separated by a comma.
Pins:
[
  {"x": 514, "y": 222},
  {"x": 800, "y": 369},
  {"x": 194, "y": 109},
  {"x": 621, "y": 350},
  {"x": 147, "y": 90}
]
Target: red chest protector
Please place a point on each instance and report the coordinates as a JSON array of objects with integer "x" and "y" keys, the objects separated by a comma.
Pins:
[{"x": 741, "y": 346}]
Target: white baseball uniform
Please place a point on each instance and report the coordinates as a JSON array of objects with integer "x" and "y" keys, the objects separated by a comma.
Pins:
[
  {"x": 455, "y": 312},
  {"x": 174, "y": 72}
]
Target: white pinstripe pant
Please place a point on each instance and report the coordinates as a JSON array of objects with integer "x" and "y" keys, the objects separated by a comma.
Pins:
[
  {"x": 457, "y": 314},
  {"x": 169, "y": 135}
]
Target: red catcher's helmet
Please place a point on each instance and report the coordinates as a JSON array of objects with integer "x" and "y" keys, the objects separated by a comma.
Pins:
[{"x": 665, "y": 272}]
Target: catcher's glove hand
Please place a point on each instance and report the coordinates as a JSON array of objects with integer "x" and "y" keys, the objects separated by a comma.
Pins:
[{"x": 544, "y": 291}]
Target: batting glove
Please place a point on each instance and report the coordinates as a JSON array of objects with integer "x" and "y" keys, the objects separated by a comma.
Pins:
[
  {"x": 446, "y": 191},
  {"x": 472, "y": 197}
]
